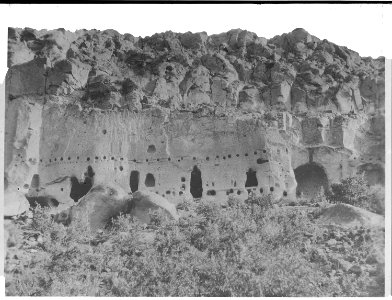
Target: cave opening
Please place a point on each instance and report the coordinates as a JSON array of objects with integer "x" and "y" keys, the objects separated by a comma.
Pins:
[
  {"x": 35, "y": 182},
  {"x": 151, "y": 149},
  {"x": 211, "y": 192},
  {"x": 251, "y": 178},
  {"x": 373, "y": 173},
  {"x": 134, "y": 181},
  {"x": 150, "y": 180},
  {"x": 78, "y": 190},
  {"x": 310, "y": 178},
  {"x": 196, "y": 185}
]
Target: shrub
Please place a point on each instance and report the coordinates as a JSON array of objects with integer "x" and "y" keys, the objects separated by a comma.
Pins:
[
  {"x": 246, "y": 249},
  {"x": 355, "y": 191},
  {"x": 351, "y": 190}
]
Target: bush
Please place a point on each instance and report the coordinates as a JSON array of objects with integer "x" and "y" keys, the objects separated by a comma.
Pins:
[
  {"x": 246, "y": 249},
  {"x": 351, "y": 190},
  {"x": 355, "y": 191}
]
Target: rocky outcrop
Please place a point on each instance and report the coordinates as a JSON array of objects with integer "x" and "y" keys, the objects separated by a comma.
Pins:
[
  {"x": 349, "y": 216},
  {"x": 97, "y": 208},
  {"x": 144, "y": 203},
  {"x": 234, "y": 105},
  {"x": 104, "y": 202}
]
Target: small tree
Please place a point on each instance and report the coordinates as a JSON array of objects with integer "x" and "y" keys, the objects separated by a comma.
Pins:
[{"x": 352, "y": 190}]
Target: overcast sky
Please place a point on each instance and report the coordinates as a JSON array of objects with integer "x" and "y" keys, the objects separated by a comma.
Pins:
[{"x": 364, "y": 28}]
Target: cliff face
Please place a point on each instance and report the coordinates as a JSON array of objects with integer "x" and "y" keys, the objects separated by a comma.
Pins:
[{"x": 188, "y": 114}]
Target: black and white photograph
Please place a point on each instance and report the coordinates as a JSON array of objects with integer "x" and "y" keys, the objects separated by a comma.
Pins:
[{"x": 197, "y": 150}]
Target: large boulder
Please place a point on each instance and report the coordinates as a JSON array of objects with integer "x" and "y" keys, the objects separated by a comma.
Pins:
[
  {"x": 144, "y": 202},
  {"x": 97, "y": 207},
  {"x": 104, "y": 202},
  {"x": 346, "y": 215},
  {"x": 15, "y": 203}
]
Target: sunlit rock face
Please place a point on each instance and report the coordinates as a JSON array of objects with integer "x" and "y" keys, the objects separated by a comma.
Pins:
[{"x": 188, "y": 115}]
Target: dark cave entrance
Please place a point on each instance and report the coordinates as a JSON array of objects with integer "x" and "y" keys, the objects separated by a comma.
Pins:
[
  {"x": 35, "y": 182},
  {"x": 373, "y": 173},
  {"x": 134, "y": 181},
  {"x": 310, "y": 178},
  {"x": 251, "y": 179},
  {"x": 150, "y": 180},
  {"x": 196, "y": 186},
  {"x": 78, "y": 190}
]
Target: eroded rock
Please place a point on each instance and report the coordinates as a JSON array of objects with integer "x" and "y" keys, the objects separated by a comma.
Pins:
[{"x": 226, "y": 103}]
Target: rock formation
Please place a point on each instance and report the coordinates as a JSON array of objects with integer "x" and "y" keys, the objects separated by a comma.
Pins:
[
  {"x": 97, "y": 207},
  {"x": 188, "y": 115},
  {"x": 104, "y": 202}
]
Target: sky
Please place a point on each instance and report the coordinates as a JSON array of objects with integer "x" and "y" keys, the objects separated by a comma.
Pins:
[{"x": 363, "y": 28}]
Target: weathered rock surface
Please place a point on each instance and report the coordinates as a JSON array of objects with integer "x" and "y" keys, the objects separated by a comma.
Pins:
[
  {"x": 350, "y": 216},
  {"x": 245, "y": 110},
  {"x": 144, "y": 202},
  {"x": 98, "y": 207},
  {"x": 104, "y": 202}
]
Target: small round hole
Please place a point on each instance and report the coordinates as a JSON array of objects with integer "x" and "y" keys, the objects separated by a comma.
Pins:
[
  {"x": 104, "y": 131},
  {"x": 271, "y": 188},
  {"x": 121, "y": 168}
]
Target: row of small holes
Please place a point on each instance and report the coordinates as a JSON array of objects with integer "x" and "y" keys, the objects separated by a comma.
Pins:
[{"x": 158, "y": 159}]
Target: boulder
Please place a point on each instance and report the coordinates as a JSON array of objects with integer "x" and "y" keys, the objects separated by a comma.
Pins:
[
  {"x": 144, "y": 201},
  {"x": 104, "y": 202},
  {"x": 97, "y": 207},
  {"x": 346, "y": 215},
  {"x": 15, "y": 203}
]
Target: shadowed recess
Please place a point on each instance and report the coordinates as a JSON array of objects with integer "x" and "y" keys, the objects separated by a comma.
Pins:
[
  {"x": 134, "y": 181},
  {"x": 251, "y": 178},
  {"x": 196, "y": 187},
  {"x": 150, "y": 180},
  {"x": 78, "y": 190},
  {"x": 310, "y": 178}
]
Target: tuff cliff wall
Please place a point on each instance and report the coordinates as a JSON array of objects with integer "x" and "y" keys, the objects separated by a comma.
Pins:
[{"x": 189, "y": 114}]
